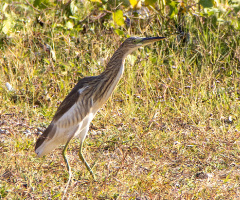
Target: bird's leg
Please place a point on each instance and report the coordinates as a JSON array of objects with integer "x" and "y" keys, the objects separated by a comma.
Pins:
[
  {"x": 65, "y": 158},
  {"x": 84, "y": 161},
  {"x": 68, "y": 167}
]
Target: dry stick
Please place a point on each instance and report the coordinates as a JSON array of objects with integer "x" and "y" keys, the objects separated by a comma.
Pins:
[{"x": 32, "y": 6}]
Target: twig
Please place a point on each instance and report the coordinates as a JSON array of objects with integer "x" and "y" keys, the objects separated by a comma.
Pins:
[{"x": 32, "y": 6}]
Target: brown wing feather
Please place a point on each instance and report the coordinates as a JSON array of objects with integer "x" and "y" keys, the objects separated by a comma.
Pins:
[
  {"x": 72, "y": 97},
  {"x": 67, "y": 103}
]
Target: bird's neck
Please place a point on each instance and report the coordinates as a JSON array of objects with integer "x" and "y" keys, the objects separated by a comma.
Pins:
[
  {"x": 110, "y": 77},
  {"x": 115, "y": 65}
]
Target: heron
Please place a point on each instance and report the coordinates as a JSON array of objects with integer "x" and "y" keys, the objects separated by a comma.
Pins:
[{"x": 73, "y": 116}]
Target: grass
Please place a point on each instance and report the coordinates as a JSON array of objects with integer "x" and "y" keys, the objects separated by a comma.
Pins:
[{"x": 170, "y": 131}]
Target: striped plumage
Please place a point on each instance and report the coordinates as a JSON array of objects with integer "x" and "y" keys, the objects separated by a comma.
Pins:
[{"x": 75, "y": 113}]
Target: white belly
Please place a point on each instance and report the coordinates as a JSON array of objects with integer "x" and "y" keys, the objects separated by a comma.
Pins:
[{"x": 82, "y": 131}]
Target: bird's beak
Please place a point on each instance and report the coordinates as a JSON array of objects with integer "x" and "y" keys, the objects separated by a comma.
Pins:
[{"x": 149, "y": 40}]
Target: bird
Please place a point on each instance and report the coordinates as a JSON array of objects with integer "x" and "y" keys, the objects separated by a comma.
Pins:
[{"x": 73, "y": 116}]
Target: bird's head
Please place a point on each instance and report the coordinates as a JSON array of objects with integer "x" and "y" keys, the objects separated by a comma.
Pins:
[{"x": 132, "y": 43}]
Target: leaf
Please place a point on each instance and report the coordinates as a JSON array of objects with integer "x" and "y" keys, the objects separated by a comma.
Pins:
[
  {"x": 98, "y": 1},
  {"x": 7, "y": 25},
  {"x": 73, "y": 7},
  {"x": 154, "y": 60},
  {"x": 119, "y": 32},
  {"x": 150, "y": 2},
  {"x": 9, "y": 20},
  {"x": 136, "y": 4},
  {"x": 69, "y": 25},
  {"x": 41, "y": 3},
  {"x": 133, "y": 3},
  {"x": 173, "y": 7},
  {"x": 206, "y": 3},
  {"x": 36, "y": 3},
  {"x": 4, "y": 7},
  {"x": 118, "y": 17},
  {"x": 212, "y": 11}
]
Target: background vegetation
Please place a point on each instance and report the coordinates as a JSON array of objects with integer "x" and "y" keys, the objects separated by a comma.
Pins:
[{"x": 171, "y": 129}]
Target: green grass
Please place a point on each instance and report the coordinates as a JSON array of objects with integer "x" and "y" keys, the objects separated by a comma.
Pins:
[{"x": 170, "y": 130}]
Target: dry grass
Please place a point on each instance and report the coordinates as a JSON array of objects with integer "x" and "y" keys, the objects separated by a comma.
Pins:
[{"x": 170, "y": 131}]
